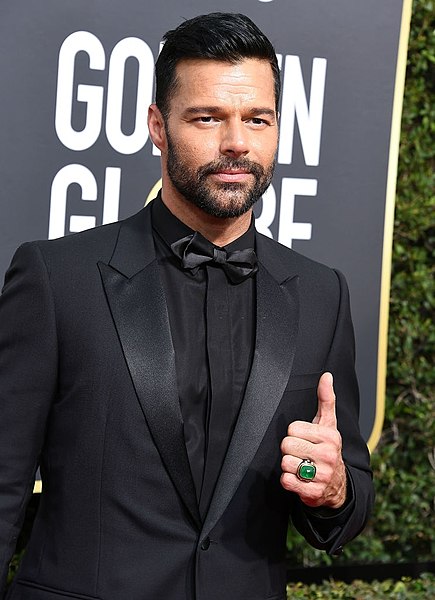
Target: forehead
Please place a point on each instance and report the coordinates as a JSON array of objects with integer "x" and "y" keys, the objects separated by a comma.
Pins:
[{"x": 247, "y": 81}]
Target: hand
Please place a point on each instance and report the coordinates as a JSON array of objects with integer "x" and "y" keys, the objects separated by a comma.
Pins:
[{"x": 319, "y": 441}]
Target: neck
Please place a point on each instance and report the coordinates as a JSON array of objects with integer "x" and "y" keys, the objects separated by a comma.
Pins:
[{"x": 219, "y": 231}]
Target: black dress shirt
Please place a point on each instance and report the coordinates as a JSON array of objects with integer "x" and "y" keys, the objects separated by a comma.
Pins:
[{"x": 213, "y": 332}]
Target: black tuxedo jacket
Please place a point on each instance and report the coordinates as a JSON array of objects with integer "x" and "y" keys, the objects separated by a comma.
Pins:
[{"x": 88, "y": 391}]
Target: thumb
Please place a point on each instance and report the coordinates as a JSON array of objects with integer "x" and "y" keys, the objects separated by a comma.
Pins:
[{"x": 326, "y": 402}]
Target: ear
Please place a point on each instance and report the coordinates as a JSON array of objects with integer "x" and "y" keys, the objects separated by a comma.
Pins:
[{"x": 156, "y": 126}]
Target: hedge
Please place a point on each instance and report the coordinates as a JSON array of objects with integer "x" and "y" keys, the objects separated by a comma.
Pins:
[{"x": 405, "y": 589}]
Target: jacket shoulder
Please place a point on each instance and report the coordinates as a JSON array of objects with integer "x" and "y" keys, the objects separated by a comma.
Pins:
[
  {"x": 286, "y": 262},
  {"x": 96, "y": 244}
]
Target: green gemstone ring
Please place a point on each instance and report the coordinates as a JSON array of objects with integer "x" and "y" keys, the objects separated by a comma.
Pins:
[{"x": 306, "y": 470}]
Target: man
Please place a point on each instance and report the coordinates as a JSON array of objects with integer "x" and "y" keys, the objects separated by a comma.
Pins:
[{"x": 171, "y": 373}]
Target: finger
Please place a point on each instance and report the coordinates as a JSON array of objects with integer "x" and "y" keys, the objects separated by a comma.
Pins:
[
  {"x": 310, "y": 432},
  {"x": 297, "y": 447},
  {"x": 324, "y": 471},
  {"x": 310, "y": 493},
  {"x": 325, "y": 402}
]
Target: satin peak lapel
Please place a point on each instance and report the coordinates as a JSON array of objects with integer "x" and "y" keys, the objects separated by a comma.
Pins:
[
  {"x": 277, "y": 326},
  {"x": 138, "y": 306}
]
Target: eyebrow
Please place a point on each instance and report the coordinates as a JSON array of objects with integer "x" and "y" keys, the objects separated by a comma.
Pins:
[
  {"x": 213, "y": 110},
  {"x": 254, "y": 112}
]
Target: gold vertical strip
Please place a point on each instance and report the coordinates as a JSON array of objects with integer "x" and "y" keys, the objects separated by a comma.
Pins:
[{"x": 387, "y": 250}]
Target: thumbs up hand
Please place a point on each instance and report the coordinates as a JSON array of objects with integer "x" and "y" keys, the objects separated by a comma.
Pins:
[{"x": 320, "y": 443}]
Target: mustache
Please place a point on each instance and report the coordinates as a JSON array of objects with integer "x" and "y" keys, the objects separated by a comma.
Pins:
[{"x": 226, "y": 162}]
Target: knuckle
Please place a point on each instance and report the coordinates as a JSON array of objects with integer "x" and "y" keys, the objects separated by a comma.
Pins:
[
  {"x": 285, "y": 463},
  {"x": 291, "y": 429},
  {"x": 329, "y": 455},
  {"x": 294, "y": 429},
  {"x": 286, "y": 482},
  {"x": 336, "y": 437}
]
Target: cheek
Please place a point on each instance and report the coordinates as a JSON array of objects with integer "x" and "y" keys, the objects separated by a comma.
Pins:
[
  {"x": 197, "y": 152},
  {"x": 265, "y": 148}
]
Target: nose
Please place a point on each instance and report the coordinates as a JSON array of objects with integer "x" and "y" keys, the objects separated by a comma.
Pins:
[{"x": 234, "y": 140}]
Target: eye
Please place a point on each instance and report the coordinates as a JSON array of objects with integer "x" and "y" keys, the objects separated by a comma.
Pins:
[
  {"x": 258, "y": 122},
  {"x": 205, "y": 119}
]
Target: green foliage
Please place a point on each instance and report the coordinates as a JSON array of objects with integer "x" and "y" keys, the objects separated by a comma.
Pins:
[
  {"x": 405, "y": 589},
  {"x": 403, "y": 527}
]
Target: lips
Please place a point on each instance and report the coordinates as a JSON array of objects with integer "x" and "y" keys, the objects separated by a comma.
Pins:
[{"x": 232, "y": 175}]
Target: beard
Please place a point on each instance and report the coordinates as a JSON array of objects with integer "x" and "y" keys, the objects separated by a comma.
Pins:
[{"x": 218, "y": 199}]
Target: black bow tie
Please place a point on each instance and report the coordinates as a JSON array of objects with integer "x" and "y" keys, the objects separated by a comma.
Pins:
[{"x": 195, "y": 250}]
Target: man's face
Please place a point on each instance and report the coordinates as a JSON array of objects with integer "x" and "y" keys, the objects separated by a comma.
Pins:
[{"x": 222, "y": 134}]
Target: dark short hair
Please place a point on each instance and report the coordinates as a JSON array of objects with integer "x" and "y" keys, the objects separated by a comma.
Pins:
[{"x": 228, "y": 37}]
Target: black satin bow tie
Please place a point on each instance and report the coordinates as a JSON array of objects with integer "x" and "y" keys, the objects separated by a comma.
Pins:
[{"x": 195, "y": 250}]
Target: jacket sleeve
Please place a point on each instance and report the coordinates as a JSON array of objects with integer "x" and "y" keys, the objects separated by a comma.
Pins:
[
  {"x": 28, "y": 373},
  {"x": 329, "y": 530}
]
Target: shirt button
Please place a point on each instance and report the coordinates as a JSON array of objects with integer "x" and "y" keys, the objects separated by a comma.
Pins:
[{"x": 205, "y": 544}]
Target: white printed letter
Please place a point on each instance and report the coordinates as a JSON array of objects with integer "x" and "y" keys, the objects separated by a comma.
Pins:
[
  {"x": 308, "y": 115},
  {"x": 288, "y": 229},
  {"x": 267, "y": 216},
  {"x": 59, "y": 191},
  {"x": 92, "y": 95},
  {"x": 129, "y": 47}
]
